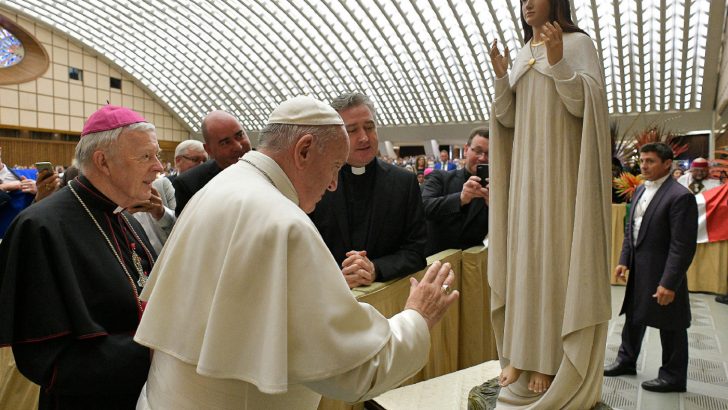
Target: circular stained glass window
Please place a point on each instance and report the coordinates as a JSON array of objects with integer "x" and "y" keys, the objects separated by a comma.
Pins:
[{"x": 11, "y": 49}]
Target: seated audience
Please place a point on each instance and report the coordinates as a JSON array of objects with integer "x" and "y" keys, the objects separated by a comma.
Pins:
[{"x": 373, "y": 223}]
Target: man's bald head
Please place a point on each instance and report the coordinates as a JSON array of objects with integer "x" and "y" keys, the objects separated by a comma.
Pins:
[{"x": 225, "y": 138}]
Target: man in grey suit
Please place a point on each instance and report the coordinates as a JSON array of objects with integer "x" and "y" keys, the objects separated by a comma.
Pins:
[{"x": 659, "y": 245}]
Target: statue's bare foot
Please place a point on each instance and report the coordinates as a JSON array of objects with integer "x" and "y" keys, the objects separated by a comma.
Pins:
[
  {"x": 509, "y": 375},
  {"x": 539, "y": 382}
]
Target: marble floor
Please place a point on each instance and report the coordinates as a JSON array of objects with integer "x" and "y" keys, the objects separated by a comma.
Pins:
[{"x": 707, "y": 369}]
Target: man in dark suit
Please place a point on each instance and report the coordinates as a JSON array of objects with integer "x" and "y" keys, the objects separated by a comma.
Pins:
[
  {"x": 456, "y": 204},
  {"x": 373, "y": 223},
  {"x": 225, "y": 142},
  {"x": 444, "y": 163},
  {"x": 659, "y": 245}
]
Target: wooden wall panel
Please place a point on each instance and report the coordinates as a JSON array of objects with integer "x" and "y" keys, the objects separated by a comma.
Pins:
[
  {"x": 168, "y": 148},
  {"x": 26, "y": 152}
]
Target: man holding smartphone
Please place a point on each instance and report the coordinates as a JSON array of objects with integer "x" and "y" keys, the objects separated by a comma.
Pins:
[{"x": 456, "y": 202}]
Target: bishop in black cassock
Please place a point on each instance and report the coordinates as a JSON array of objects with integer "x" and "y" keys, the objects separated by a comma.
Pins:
[{"x": 71, "y": 269}]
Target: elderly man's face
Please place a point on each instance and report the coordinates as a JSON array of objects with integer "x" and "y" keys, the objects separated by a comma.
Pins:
[
  {"x": 226, "y": 140},
  {"x": 133, "y": 166},
  {"x": 189, "y": 160},
  {"x": 323, "y": 175},
  {"x": 363, "y": 139},
  {"x": 699, "y": 174},
  {"x": 476, "y": 153}
]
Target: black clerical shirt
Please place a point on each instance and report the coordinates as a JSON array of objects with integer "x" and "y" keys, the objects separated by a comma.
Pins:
[
  {"x": 67, "y": 307},
  {"x": 359, "y": 190}
]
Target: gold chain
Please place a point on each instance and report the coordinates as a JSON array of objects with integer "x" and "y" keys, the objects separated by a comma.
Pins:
[
  {"x": 265, "y": 174},
  {"x": 108, "y": 241},
  {"x": 533, "y": 45}
]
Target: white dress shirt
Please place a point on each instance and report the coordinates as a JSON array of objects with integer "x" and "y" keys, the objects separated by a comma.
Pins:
[
  {"x": 651, "y": 188},
  {"x": 6, "y": 175}
]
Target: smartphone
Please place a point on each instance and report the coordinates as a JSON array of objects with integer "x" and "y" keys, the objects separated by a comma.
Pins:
[
  {"x": 43, "y": 166},
  {"x": 481, "y": 170}
]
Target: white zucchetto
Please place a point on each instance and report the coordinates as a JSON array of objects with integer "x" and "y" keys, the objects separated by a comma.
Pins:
[{"x": 304, "y": 110}]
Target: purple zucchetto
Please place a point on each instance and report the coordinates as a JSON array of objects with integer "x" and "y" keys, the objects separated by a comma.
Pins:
[{"x": 110, "y": 117}]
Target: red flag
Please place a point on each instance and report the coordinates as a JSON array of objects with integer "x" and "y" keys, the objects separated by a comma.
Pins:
[{"x": 713, "y": 214}]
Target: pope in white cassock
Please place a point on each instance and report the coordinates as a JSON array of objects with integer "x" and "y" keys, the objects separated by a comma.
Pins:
[{"x": 247, "y": 309}]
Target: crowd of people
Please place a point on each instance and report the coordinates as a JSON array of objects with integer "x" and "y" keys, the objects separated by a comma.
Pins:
[
  {"x": 235, "y": 271},
  {"x": 107, "y": 236}
]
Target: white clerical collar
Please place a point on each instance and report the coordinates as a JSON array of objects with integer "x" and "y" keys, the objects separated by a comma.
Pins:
[
  {"x": 656, "y": 183},
  {"x": 358, "y": 170}
]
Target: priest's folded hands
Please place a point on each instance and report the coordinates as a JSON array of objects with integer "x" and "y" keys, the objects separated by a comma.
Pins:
[
  {"x": 431, "y": 296},
  {"x": 358, "y": 270}
]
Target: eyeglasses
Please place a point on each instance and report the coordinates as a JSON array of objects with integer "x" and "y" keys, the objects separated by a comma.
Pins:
[
  {"x": 478, "y": 152},
  {"x": 193, "y": 159},
  {"x": 149, "y": 157}
]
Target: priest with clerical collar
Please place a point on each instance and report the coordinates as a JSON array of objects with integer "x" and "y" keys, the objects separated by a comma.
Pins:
[
  {"x": 250, "y": 310},
  {"x": 374, "y": 222},
  {"x": 72, "y": 267},
  {"x": 697, "y": 179}
]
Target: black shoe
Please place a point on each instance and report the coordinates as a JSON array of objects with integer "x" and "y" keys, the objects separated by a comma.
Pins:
[
  {"x": 662, "y": 386},
  {"x": 619, "y": 369},
  {"x": 722, "y": 299}
]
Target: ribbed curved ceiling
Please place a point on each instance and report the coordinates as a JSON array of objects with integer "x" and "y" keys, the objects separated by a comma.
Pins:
[{"x": 423, "y": 61}]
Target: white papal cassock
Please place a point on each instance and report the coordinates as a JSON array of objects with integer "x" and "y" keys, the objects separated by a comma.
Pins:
[{"x": 247, "y": 309}]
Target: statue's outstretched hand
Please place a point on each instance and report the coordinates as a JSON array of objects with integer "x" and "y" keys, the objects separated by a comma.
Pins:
[{"x": 498, "y": 60}]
